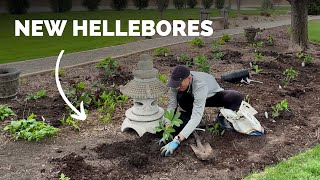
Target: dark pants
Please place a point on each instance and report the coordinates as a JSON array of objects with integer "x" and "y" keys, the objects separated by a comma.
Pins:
[{"x": 229, "y": 99}]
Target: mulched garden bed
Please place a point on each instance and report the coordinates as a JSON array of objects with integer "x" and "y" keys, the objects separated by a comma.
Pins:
[{"x": 94, "y": 153}]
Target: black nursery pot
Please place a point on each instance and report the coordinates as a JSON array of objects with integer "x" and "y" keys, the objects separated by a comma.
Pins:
[
  {"x": 236, "y": 76},
  {"x": 9, "y": 82}
]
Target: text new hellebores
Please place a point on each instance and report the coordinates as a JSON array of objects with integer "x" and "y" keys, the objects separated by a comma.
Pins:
[{"x": 103, "y": 28}]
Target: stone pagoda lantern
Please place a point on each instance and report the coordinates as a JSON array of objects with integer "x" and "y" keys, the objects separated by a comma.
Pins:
[{"x": 144, "y": 89}]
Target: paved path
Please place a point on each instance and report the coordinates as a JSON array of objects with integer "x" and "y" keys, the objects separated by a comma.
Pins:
[{"x": 74, "y": 59}]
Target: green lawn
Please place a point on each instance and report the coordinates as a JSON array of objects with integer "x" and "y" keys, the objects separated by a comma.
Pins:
[
  {"x": 302, "y": 166},
  {"x": 23, "y": 48},
  {"x": 314, "y": 34}
]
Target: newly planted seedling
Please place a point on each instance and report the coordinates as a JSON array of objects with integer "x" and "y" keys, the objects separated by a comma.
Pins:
[
  {"x": 163, "y": 78},
  {"x": 202, "y": 63},
  {"x": 226, "y": 37},
  {"x": 215, "y": 46},
  {"x": 162, "y": 51},
  {"x": 37, "y": 95},
  {"x": 63, "y": 177},
  {"x": 279, "y": 108},
  {"x": 308, "y": 59},
  {"x": 258, "y": 56},
  {"x": 289, "y": 75},
  {"x": 270, "y": 40},
  {"x": 197, "y": 42},
  {"x": 218, "y": 55},
  {"x": 300, "y": 55},
  {"x": 257, "y": 69},
  {"x": 60, "y": 72},
  {"x": 71, "y": 122},
  {"x": 110, "y": 66},
  {"x": 168, "y": 127},
  {"x": 184, "y": 57},
  {"x": 78, "y": 93},
  {"x": 216, "y": 130},
  {"x": 30, "y": 129},
  {"x": 5, "y": 112}
]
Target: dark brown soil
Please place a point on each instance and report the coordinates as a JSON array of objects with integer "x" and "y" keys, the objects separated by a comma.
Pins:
[{"x": 94, "y": 153}]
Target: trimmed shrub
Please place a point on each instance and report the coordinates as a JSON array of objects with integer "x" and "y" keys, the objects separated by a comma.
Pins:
[
  {"x": 192, "y": 3},
  {"x": 314, "y": 7},
  {"x": 61, "y": 5},
  {"x": 18, "y": 6},
  {"x": 219, "y": 4},
  {"x": 119, "y": 4},
  {"x": 207, "y": 3},
  {"x": 141, "y": 4},
  {"x": 179, "y": 3},
  {"x": 92, "y": 5}
]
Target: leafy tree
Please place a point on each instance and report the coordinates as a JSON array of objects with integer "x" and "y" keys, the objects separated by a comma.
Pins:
[
  {"x": 179, "y": 3},
  {"x": 192, "y": 3},
  {"x": 61, "y": 5},
  {"x": 219, "y": 4},
  {"x": 162, "y": 5},
  {"x": 207, "y": 3}
]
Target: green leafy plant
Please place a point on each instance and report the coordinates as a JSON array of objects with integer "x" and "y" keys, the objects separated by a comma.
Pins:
[
  {"x": 30, "y": 129},
  {"x": 308, "y": 59},
  {"x": 184, "y": 57},
  {"x": 37, "y": 95},
  {"x": 270, "y": 40},
  {"x": 63, "y": 177},
  {"x": 257, "y": 69},
  {"x": 163, "y": 78},
  {"x": 168, "y": 128},
  {"x": 226, "y": 37},
  {"x": 215, "y": 46},
  {"x": 162, "y": 51},
  {"x": 300, "y": 55},
  {"x": 197, "y": 42},
  {"x": 202, "y": 63},
  {"x": 5, "y": 112},
  {"x": 257, "y": 46},
  {"x": 110, "y": 66},
  {"x": 280, "y": 107},
  {"x": 71, "y": 122},
  {"x": 106, "y": 105},
  {"x": 60, "y": 72},
  {"x": 221, "y": 41},
  {"x": 218, "y": 55},
  {"x": 289, "y": 74},
  {"x": 216, "y": 130},
  {"x": 78, "y": 93},
  {"x": 258, "y": 55}
]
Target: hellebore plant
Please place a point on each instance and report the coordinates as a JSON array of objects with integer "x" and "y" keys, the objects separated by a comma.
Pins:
[{"x": 168, "y": 127}]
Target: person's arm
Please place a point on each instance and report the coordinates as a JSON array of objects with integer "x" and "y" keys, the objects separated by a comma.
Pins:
[
  {"x": 200, "y": 97},
  {"x": 172, "y": 99},
  {"x": 172, "y": 102}
]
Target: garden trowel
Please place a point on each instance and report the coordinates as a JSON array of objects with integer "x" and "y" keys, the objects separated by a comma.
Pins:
[{"x": 203, "y": 152}]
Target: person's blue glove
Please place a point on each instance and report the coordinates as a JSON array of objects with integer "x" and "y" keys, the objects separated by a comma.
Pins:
[{"x": 168, "y": 149}]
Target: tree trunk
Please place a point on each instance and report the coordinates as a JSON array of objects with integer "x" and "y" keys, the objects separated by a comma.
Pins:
[
  {"x": 229, "y": 4},
  {"x": 299, "y": 26},
  {"x": 238, "y": 6}
]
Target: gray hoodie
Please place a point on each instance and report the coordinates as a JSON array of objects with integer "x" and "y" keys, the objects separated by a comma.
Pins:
[{"x": 204, "y": 85}]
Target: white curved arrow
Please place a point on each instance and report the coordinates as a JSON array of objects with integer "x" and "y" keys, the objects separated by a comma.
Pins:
[{"x": 79, "y": 115}]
